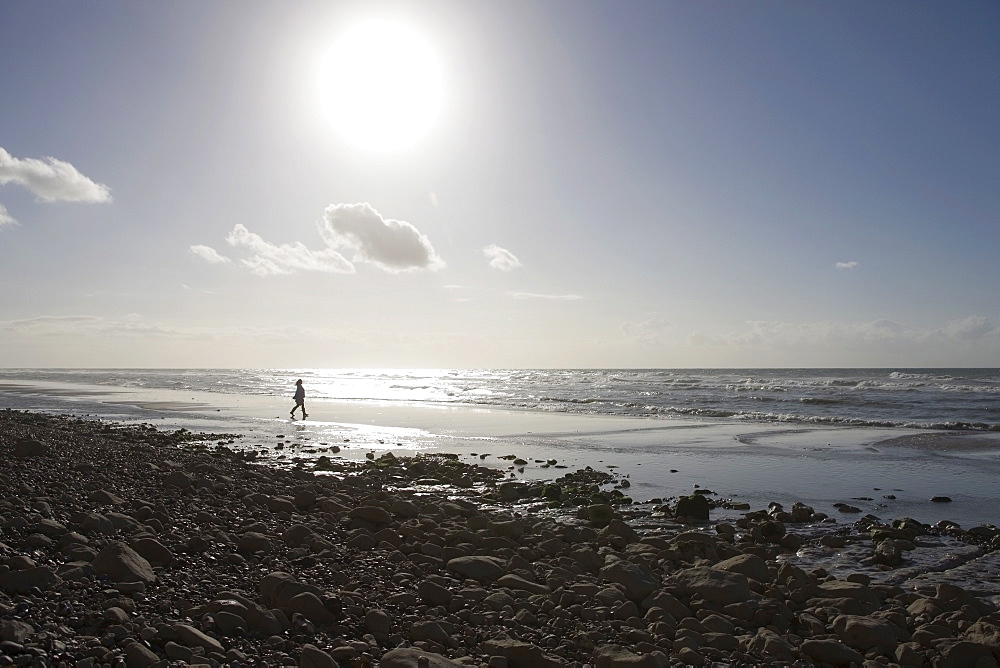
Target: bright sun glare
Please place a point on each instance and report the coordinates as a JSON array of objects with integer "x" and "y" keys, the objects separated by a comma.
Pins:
[{"x": 381, "y": 85}]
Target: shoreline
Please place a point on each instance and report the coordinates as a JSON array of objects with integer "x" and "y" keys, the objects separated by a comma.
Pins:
[
  {"x": 124, "y": 541},
  {"x": 753, "y": 462}
]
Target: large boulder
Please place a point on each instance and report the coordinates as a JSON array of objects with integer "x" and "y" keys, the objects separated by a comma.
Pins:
[
  {"x": 410, "y": 657},
  {"x": 864, "y": 633},
  {"x": 749, "y": 565},
  {"x": 712, "y": 585},
  {"x": 638, "y": 581},
  {"x": 482, "y": 568},
  {"x": 123, "y": 564}
]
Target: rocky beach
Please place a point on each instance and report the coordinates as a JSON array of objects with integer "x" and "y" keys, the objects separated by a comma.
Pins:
[{"x": 127, "y": 545}]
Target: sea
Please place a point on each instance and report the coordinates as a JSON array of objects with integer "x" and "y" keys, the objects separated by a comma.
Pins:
[
  {"x": 854, "y": 444},
  {"x": 885, "y": 441},
  {"x": 945, "y": 399}
]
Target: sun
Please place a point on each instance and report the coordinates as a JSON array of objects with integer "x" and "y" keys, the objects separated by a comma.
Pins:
[{"x": 381, "y": 86}]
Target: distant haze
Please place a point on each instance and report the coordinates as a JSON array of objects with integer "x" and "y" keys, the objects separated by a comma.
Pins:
[{"x": 513, "y": 184}]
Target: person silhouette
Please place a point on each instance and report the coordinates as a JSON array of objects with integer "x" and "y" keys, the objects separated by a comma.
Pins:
[{"x": 300, "y": 399}]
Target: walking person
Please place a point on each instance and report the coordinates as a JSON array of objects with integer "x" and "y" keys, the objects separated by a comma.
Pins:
[{"x": 300, "y": 399}]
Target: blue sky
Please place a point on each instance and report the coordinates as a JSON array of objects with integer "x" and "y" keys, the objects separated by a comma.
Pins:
[{"x": 600, "y": 184}]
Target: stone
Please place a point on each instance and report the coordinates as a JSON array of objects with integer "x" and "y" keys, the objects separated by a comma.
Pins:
[
  {"x": 831, "y": 651},
  {"x": 13, "y": 630},
  {"x": 314, "y": 657},
  {"x": 433, "y": 593},
  {"x": 137, "y": 654},
  {"x": 749, "y": 565},
  {"x": 192, "y": 637},
  {"x": 262, "y": 621},
  {"x": 311, "y": 607},
  {"x": 482, "y": 568},
  {"x": 712, "y": 585},
  {"x": 20, "y": 582},
  {"x": 853, "y": 590},
  {"x": 123, "y": 564},
  {"x": 29, "y": 448},
  {"x": 152, "y": 551},
  {"x": 864, "y": 633},
  {"x": 638, "y": 581},
  {"x": 693, "y": 507},
  {"x": 511, "y": 581},
  {"x": 410, "y": 657},
  {"x": 616, "y": 656},
  {"x": 767, "y": 643},
  {"x": 372, "y": 514},
  {"x": 428, "y": 629},
  {"x": 103, "y": 497},
  {"x": 378, "y": 621},
  {"x": 888, "y": 552},
  {"x": 178, "y": 479},
  {"x": 520, "y": 653},
  {"x": 252, "y": 542}
]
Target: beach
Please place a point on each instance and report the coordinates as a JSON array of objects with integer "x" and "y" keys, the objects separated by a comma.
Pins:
[{"x": 127, "y": 543}]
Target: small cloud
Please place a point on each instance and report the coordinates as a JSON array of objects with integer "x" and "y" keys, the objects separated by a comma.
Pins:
[
  {"x": 392, "y": 245},
  {"x": 51, "y": 180},
  {"x": 501, "y": 258},
  {"x": 209, "y": 254},
  {"x": 452, "y": 286},
  {"x": 5, "y": 218},
  {"x": 846, "y": 265},
  {"x": 433, "y": 197},
  {"x": 270, "y": 259},
  {"x": 535, "y": 295}
]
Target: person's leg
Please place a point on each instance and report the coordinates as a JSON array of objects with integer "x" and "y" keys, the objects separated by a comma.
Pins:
[{"x": 304, "y": 414}]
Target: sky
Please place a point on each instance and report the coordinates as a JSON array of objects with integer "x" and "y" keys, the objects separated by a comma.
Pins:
[{"x": 462, "y": 183}]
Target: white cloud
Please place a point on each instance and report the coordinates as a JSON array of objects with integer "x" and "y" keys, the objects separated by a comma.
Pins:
[
  {"x": 501, "y": 258},
  {"x": 269, "y": 259},
  {"x": 51, "y": 180},
  {"x": 535, "y": 295},
  {"x": 392, "y": 245},
  {"x": 846, "y": 265},
  {"x": 209, "y": 254},
  {"x": 5, "y": 218}
]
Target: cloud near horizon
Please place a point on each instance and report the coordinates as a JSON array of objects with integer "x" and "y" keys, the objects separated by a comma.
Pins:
[
  {"x": 391, "y": 245},
  {"x": 501, "y": 258},
  {"x": 535, "y": 295},
  {"x": 51, "y": 180},
  {"x": 846, "y": 265}
]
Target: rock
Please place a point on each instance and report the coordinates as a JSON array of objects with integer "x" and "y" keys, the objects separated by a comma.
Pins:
[
  {"x": 314, "y": 657},
  {"x": 511, "y": 581},
  {"x": 30, "y": 448},
  {"x": 372, "y": 514},
  {"x": 20, "y": 582},
  {"x": 941, "y": 499},
  {"x": 252, "y": 542},
  {"x": 600, "y": 514},
  {"x": 964, "y": 653},
  {"x": 767, "y": 643},
  {"x": 311, "y": 607},
  {"x": 616, "y": 656},
  {"x": 749, "y": 565},
  {"x": 178, "y": 479},
  {"x": 520, "y": 653},
  {"x": 831, "y": 651},
  {"x": 378, "y": 622},
  {"x": 853, "y": 590},
  {"x": 693, "y": 507},
  {"x": 433, "y": 593},
  {"x": 639, "y": 581},
  {"x": 13, "y": 630},
  {"x": 192, "y": 637},
  {"x": 482, "y": 568},
  {"x": 123, "y": 564},
  {"x": 712, "y": 585},
  {"x": 864, "y": 633},
  {"x": 152, "y": 551},
  {"x": 137, "y": 654},
  {"x": 428, "y": 629},
  {"x": 262, "y": 621},
  {"x": 103, "y": 497},
  {"x": 984, "y": 633},
  {"x": 410, "y": 657},
  {"x": 888, "y": 552}
]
